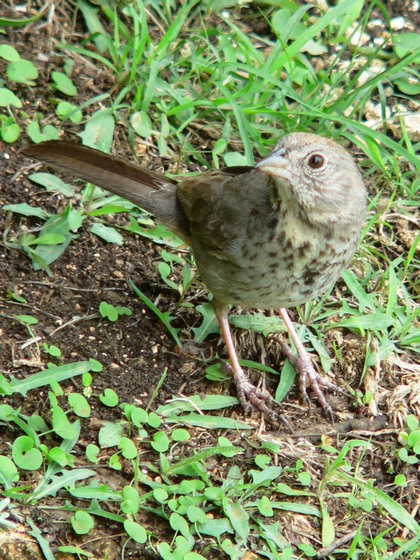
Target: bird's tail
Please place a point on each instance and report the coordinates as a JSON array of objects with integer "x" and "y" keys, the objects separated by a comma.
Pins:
[{"x": 114, "y": 174}]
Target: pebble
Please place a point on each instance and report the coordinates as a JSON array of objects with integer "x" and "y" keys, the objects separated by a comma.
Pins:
[{"x": 397, "y": 23}]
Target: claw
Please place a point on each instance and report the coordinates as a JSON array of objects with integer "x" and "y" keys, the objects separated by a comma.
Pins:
[
  {"x": 308, "y": 376},
  {"x": 251, "y": 397}
]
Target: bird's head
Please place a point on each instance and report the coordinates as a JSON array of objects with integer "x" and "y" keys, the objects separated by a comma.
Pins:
[{"x": 319, "y": 176}]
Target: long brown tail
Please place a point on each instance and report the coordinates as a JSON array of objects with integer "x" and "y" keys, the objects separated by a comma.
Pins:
[
  {"x": 114, "y": 174},
  {"x": 150, "y": 190}
]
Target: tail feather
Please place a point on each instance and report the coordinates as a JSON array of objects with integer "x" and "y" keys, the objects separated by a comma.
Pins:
[
  {"x": 114, "y": 174},
  {"x": 147, "y": 189}
]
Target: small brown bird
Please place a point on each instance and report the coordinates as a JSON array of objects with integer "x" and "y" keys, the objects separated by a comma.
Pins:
[{"x": 273, "y": 236}]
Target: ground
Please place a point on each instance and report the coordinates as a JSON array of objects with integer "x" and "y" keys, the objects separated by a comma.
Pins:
[{"x": 136, "y": 349}]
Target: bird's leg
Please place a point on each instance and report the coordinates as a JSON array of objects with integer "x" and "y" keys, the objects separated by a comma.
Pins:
[
  {"x": 305, "y": 369},
  {"x": 249, "y": 396}
]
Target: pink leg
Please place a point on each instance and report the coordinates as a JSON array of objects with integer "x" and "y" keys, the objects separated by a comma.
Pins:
[
  {"x": 249, "y": 396},
  {"x": 304, "y": 368}
]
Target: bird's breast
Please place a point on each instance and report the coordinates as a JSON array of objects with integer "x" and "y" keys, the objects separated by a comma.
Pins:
[{"x": 268, "y": 271}]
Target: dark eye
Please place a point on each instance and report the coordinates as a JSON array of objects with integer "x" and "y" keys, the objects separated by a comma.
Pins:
[{"x": 316, "y": 161}]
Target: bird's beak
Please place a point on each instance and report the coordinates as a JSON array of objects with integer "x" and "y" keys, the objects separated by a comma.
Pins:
[{"x": 275, "y": 165}]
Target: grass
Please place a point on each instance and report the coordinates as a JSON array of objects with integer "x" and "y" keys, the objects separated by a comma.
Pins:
[
  {"x": 240, "y": 509},
  {"x": 186, "y": 77}
]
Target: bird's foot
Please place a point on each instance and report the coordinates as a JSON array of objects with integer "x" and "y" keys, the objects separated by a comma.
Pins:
[
  {"x": 251, "y": 397},
  {"x": 309, "y": 377}
]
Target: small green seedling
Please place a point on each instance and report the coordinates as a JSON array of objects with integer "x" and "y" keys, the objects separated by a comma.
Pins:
[
  {"x": 111, "y": 312},
  {"x": 410, "y": 439}
]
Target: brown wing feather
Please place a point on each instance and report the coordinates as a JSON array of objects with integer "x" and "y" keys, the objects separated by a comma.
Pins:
[{"x": 183, "y": 207}]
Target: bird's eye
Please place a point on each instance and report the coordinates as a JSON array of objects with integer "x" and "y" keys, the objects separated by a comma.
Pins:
[{"x": 316, "y": 161}]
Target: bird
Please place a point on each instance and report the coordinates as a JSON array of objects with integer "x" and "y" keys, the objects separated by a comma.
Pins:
[{"x": 272, "y": 236}]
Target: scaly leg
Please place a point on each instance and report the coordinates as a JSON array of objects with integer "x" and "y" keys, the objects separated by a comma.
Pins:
[
  {"x": 249, "y": 396},
  {"x": 305, "y": 369}
]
